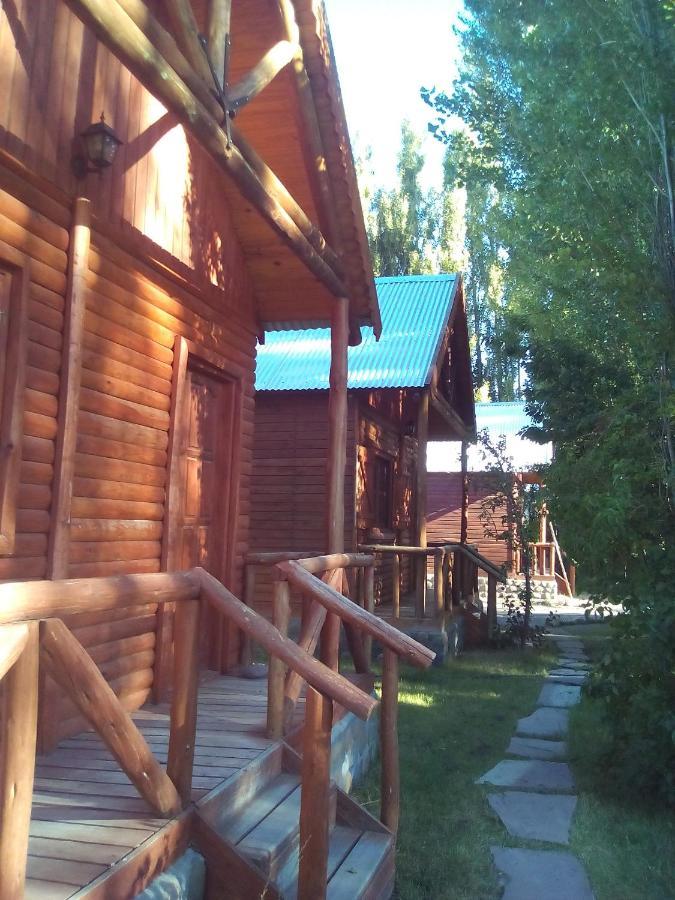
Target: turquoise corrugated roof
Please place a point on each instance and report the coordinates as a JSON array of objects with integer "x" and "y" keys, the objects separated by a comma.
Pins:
[
  {"x": 414, "y": 309},
  {"x": 502, "y": 418}
]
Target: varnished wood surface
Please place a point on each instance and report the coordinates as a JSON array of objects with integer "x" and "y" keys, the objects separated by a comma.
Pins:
[{"x": 87, "y": 816}]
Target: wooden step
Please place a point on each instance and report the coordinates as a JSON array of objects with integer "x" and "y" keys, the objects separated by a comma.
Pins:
[
  {"x": 366, "y": 871},
  {"x": 342, "y": 840}
]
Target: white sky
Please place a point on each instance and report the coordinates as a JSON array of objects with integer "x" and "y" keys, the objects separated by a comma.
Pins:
[{"x": 386, "y": 50}]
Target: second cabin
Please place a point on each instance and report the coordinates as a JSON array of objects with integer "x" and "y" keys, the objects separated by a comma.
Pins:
[{"x": 411, "y": 386}]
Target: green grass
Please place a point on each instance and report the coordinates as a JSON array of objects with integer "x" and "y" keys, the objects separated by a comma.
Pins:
[
  {"x": 455, "y": 723},
  {"x": 628, "y": 848}
]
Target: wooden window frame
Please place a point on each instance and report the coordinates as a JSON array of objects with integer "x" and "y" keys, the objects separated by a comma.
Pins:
[{"x": 12, "y": 401}]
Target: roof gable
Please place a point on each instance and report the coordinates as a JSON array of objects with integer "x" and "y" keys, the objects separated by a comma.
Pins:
[{"x": 415, "y": 311}]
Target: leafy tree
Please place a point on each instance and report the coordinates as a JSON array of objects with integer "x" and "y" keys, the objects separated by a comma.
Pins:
[
  {"x": 571, "y": 115},
  {"x": 510, "y": 513},
  {"x": 400, "y": 229}
]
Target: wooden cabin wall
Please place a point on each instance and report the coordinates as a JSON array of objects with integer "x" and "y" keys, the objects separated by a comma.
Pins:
[
  {"x": 386, "y": 429},
  {"x": 444, "y": 509},
  {"x": 289, "y": 475},
  {"x": 288, "y": 487},
  {"x": 164, "y": 262}
]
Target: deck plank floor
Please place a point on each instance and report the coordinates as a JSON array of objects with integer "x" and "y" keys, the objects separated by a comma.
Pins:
[{"x": 87, "y": 816}]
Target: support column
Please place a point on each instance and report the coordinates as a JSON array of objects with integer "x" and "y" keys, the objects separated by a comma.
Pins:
[
  {"x": 337, "y": 427},
  {"x": 69, "y": 396},
  {"x": 464, "y": 522},
  {"x": 421, "y": 501},
  {"x": 337, "y": 453}
]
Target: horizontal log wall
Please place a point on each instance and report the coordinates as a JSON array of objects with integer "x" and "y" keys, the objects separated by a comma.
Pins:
[
  {"x": 288, "y": 488},
  {"x": 164, "y": 261},
  {"x": 444, "y": 507},
  {"x": 34, "y": 233}
]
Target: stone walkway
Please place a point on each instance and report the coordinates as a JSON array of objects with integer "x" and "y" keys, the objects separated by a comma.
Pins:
[{"x": 537, "y": 800}]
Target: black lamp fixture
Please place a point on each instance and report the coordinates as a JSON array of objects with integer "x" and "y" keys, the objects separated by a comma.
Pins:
[{"x": 99, "y": 143}]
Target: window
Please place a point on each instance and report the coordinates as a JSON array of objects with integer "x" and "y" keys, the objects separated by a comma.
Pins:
[
  {"x": 13, "y": 305},
  {"x": 382, "y": 491}
]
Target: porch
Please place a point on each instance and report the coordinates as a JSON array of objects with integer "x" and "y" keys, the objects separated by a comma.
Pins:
[
  {"x": 87, "y": 817},
  {"x": 224, "y": 767}
]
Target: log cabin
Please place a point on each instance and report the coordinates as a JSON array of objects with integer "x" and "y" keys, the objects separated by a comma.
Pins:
[
  {"x": 459, "y": 482},
  {"x": 411, "y": 386},
  {"x": 147, "y": 238}
]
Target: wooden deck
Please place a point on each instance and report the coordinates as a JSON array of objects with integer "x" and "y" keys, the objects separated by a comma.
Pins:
[{"x": 86, "y": 814}]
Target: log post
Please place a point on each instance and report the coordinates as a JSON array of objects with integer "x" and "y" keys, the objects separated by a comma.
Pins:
[
  {"x": 456, "y": 578},
  {"x": 491, "y": 605},
  {"x": 69, "y": 395},
  {"x": 464, "y": 521},
  {"x": 246, "y": 653},
  {"x": 438, "y": 582},
  {"x": 390, "y": 779},
  {"x": 281, "y": 614},
  {"x": 421, "y": 502},
  {"x": 69, "y": 664},
  {"x": 17, "y": 765},
  {"x": 314, "y": 804},
  {"x": 185, "y": 698},
  {"x": 447, "y": 595},
  {"x": 337, "y": 426},
  {"x": 170, "y": 559},
  {"x": 337, "y": 451},
  {"x": 396, "y": 586},
  {"x": 369, "y": 605}
]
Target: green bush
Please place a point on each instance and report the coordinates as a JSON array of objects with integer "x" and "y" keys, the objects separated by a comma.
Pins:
[{"x": 635, "y": 681}]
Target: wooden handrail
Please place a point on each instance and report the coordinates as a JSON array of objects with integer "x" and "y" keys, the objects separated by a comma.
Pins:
[
  {"x": 23, "y": 601},
  {"x": 319, "y": 564},
  {"x": 13, "y": 638},
  {"x": 273, "y": 557},
  {"x": 403, "y": 645},
  {"x": 396, "y": 548},
  {"x": 332, "y": 684},
  {"x": 481, "y": 561}
]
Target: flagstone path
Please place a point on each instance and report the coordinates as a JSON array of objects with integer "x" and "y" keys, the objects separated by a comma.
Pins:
[{"x": 536, "y": 800}]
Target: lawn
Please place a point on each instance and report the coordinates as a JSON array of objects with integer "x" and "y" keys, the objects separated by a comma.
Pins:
[{"x": 455, "y": 723}]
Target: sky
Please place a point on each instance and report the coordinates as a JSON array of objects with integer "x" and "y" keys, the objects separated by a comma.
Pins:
[{"x": 386, "y": 50}]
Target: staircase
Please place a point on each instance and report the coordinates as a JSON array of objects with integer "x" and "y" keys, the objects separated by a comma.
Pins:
[{"x": 257, "y": 815}]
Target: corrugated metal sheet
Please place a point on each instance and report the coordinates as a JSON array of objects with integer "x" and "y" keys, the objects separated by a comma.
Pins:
[
  {"x": 415, "y": 310},
  {"x": 502, "y": 418}
]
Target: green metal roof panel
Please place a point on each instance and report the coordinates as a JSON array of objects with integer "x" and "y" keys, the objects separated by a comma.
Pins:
[
  {"x": 415, "y": 310},
  {"x": 506, "y": 418}
]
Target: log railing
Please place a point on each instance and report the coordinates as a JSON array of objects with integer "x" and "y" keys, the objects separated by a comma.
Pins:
[
  {"x": 455, "y": 576},
  {"x": 32, "y": 629},
  {"x": 329, "y": 606}
]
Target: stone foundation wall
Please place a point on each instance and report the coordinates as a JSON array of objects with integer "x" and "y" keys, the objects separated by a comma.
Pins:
[{"x": 545, "y": 592}]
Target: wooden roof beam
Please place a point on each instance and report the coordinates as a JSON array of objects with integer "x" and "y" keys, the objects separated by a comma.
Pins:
[
  {"x": 119, "y": 32},
  {"x": 260, "y": 76},
  {"x": 185, "y": 29},
  {"x": 218, "y": 35},
  {"x": 168, "y": 48}
]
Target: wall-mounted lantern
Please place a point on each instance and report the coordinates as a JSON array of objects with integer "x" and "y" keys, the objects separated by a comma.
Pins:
[{"x": 99, "y": 143}]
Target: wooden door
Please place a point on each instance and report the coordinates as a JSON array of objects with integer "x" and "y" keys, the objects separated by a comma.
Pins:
[{"x": 207, "y": 485}]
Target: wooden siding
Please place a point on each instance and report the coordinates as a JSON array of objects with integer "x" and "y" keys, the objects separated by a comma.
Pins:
[
  {"x": 164, "y": 262},
  {"x": 444, "y": 506},
  {"x": 289, "y": 474},
  {"x": 288, "y": 487}
]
